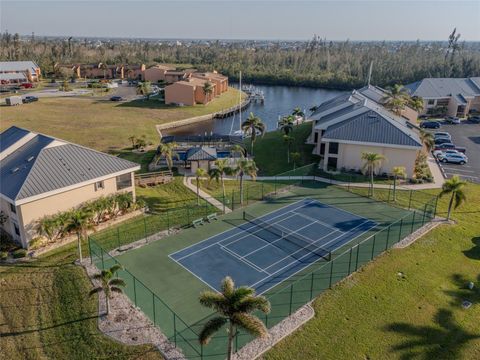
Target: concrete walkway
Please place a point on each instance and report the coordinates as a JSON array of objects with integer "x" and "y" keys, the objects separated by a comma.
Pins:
[{"x": 187, "y": 181}]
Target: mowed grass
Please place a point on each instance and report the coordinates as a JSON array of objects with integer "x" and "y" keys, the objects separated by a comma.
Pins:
[
  {"x": 46, "y": 313},
  {"x": 101, "y": 124},
  {"x": 379, "y": 314}
]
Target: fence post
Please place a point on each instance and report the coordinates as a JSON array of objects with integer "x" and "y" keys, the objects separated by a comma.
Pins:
[
  {"x": 291, "y": 299},
  {"x": 388, "y": 236},
  {"x": 424, "y": 212},
  {"x": 174, "y": 329},
  {"x": 206, "y": 207},
  {"x": 233, "y": 199},
  {"x": 389, "y": 189},
  {"x": 134, "y": 291},
  {"x": 349, "y": 260},
  {"x": 358, "y": 252},
  {"x": 331, "y": 274},
  {"x": 373, "y": 246},
  {"x": 223, "y": 202},
  {"x": 435, "y": 209},
  {"x": 311, "y": 286},
  {"x": 153, "y": 304},
  {"x": 410, "y": 199},
  {"x": 400, "y": 231},
  {"x": 413, "y": 222}
]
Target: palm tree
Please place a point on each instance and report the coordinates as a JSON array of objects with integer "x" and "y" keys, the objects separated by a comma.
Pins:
[
  {"x": 199, "y": 173},
  {"x": 396, "y": 98},
  {"x": 427, "y": 139},
  {"x": 234, "y": 307},
  {"x": 297, "y": 112},
  {"x": 295, "y": 156},
  {"x": 237, "y": 149},
  {"x": 454, "y": 186},
  {"x": 245, "y": 167},
  {"x": 286, "y": 124},
  {"x": 207, "y": 90},
  {"x": 416, "y": 103},
  {"x": 47, "y": 226},
  {"x": 398, "y": 171},
  {"x": 168, "y": 150},
  {"x": 251, "y": 126},
  {"x": 288, "y": 140},
  {"x": 372, "y": 160},
  {"x": 80, "y": 222},
  {"x": 133, "y": 139},
  {"x": 219, "y": 171},
  {"x": 144, "y": 88},
  {"x": 109, "y": 284}
]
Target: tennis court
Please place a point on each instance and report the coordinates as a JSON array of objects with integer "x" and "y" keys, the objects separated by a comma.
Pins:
[{"x": 264, "y": 251}]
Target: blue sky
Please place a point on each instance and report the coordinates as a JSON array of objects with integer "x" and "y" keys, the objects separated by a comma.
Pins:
[{"x": 242, "y": 19}]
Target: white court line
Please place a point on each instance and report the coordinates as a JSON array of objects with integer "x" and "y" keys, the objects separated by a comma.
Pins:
[
  {"x": 318, "y": 221},
  {"x": 252, "y": 265}
]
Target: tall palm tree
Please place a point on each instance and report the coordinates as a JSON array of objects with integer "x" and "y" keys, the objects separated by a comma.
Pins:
[
  {"x": 109, "y": 284},
  {"x": 219, "y": 171},
  {"x": 234, "y": 307},
  {"x": 427, "y": 139},
  {"x": 80, "y": 222},
  {"x": 298, "y": 112},
  {"x": 416, "y": 103},
  {"x": 398, "y": 172},
  {"x": 207, "y": 90},
  {"x": 372, "y": 160},
  {"x": 287, "y": 139},
  {"x": 168, "y": 150},
  {"x": 454, "y": 186},
  {"x": 286, "y": 124},
  {"x": 199, "y": 173},
  {"x": 237, "y": 149},
  {"x": 396, "y": 98},
  {"x": 144, "y": 88},
  {"x": 245, "y": 167},
  {"x": 251, "y": 125}
]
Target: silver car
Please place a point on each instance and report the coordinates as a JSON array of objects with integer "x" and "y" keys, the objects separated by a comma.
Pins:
[{"x": 453, "y": 158}]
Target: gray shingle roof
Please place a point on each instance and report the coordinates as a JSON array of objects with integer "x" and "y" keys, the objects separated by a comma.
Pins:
[
  {"x": 11, "y": 136},
  {"x": 444, "y": 87},
  {"x": 202, "y": 153},
  {"x": 17, "y": 66},
  {"x": 12, "y": 76},
  {"x": 45, "y": 164},
  {"x": 372, "y": 127}
]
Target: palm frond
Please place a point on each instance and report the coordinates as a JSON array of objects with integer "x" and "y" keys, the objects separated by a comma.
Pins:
[
  {"x": 116, "y": 289},
  {"x": 117, "y": 282},
  {"x": 210, "y": 328},
  {"x": 115, "y": 268},
  {"x": 254, "y": 303},
  {"x": 460, "y": 198},
  {"x": 228, "y": 286},
  {"x": 211, "y": 299},
  {"x": 95, "y": 291},
  {"x": 250, "y": 324}
]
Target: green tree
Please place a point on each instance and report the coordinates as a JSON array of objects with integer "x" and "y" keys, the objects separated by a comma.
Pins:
[
  {"x": 286, "y": 124},
  {"x": 168, "y": 151},
  {"x": 454, "y": 186},
  {"x": 371, "y": 160},
  {"x": 398, "y": 172},
  {"x": 48, "y": 227},
  {"x": 199, "y": 173},
  {"x": 145, "y": 89},
  {"x": 242, "y": 168},
  {"x": 234, "y": 308},
  {"x": 416, "y": 103},
  {"x": 396, "y": 99},
  {"x": 298, "y": 112},
  {"x": 252, "y": 125},
  {"x": 207, "y": 90},
  {"x": 79, "y": 222},
  {"x": 219, "y": 171},
  {"x": 237, "y": 149},
  {"x": 109, "y": 284},
  {"x": 287, "y": 139}
]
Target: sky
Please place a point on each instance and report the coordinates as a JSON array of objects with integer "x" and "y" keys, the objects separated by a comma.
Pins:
[{"x": 243, "y": 19}]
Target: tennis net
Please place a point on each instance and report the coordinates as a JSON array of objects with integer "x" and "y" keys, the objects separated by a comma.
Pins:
[{"x": 296, "y": 239}]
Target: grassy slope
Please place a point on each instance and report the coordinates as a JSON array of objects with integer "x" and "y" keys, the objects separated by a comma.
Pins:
[
  {"x": 143, "y": 159},
  {"x": 378, "y": 315},
  {"x": 46, "y": 313},
  {"x": 271, "y": 150},
  {"x": 102, "y": 124}
]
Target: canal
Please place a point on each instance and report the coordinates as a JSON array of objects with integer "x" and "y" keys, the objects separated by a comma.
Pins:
[{"x": 279, "y": 101}]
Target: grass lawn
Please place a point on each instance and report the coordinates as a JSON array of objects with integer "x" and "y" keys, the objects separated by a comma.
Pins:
[
  {"x": 271, "y": 150},
  {"x": 46, "y": 313},
  {"x": 144, "y": 159},
  {"x": 101, "y": 124},
  {"x": 377, "y": 314}
]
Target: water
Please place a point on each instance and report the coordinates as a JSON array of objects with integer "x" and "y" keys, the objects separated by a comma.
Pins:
[{"x": 279, "y": 101}]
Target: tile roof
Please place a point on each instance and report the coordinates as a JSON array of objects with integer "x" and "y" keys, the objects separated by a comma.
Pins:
[
  {"x": 45, "y": 164},
  {"x": 444, "y": 87}
]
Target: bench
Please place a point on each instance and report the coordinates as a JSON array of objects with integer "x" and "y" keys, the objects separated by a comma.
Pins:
[
  {"x": 197, "y": 222},
  {"x": 212, "y": 217}
]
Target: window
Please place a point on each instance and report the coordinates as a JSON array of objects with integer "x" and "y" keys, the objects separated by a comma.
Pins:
[
  {"x": 124, "y": 181},
  {"x": 13, "y": 209},
  {"x": 99, "y": 185},
  {"x": 431, "y": 102},
  {"x": 333, "y": 148},
  {"x": 332, "y": 163},
  {"x": 322, "y": 148},
  {"x": 316, "y": 137}
]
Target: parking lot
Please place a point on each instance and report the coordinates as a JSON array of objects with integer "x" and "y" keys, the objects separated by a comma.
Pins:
[{"x": 466, "y": 134}]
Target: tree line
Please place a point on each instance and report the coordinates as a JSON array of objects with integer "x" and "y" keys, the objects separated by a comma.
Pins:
[{"x": 314, "y": 63}]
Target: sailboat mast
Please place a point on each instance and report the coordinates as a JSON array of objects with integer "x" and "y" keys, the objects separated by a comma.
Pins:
[{"x": 240, "y": 101}]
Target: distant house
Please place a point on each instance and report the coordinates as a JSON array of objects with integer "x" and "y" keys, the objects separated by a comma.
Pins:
[
  {"x": 41, "y": 175},
  {"x": 220, "y": 81},
  {"x": 448, "y": 96},
  {"x": 28, "y": 68},
  {"x": 188, "y": 92},
  {"x": 134, "y": 71},
  {"x": 348, "y": 125},
  {"x": 157, "y": 73}
]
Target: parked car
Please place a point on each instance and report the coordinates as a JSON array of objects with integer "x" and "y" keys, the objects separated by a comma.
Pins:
[
  {"x": 29, "y": 99},
  {"x": 454, "y": 158},
  {"x": 27, "y": 85},
  {"x": 14, "y": 100},
  {"x": 116, "y": 98},
  {"x": 442, "y": 140},
  {"x": 442, "y": 135},
  {"x": 449, "y": 146},
  {"x": 437, "y": 153},
  {"x": 430, "y": 124},
  {"x": 452, "y": 120},
  {"x": 475, "y": 119}
]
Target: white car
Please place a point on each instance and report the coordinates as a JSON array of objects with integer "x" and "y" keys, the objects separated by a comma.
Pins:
[
  {"x": 458, "y": 158},
  {"x": 439, "y": 153},
  {"x": 452, "y": 120}
]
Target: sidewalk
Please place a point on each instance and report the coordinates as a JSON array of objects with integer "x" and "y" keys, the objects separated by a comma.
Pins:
[{"x": 187, "y": 181}]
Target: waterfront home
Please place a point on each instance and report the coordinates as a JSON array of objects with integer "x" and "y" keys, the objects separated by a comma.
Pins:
[
  {"x": 156, "y": 73},
  {"x": 448, "y": 96},
  {"x": 348, "y": 125},
  {"x": 220, "y": 81},
  {"x": 42, "y": 175},
  {"x": 189, "y": 92},
  {"x": 29, "y": 69}
]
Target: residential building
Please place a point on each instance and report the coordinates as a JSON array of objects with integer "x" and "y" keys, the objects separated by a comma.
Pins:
[
  {"x": 220, "y": 81},
  {"x": 134, "y": 71},
  {"x": 29, "y": 69},
  {"x": 448, "y": 96},
  {"x": 188, "y": 92},
  {"x": 348, "y": 125},
  {"x": 172, "y": 76},
  {"x": 157, "y": 73},
  {"x": 41, "y": 175},
  {"x": 73, "y": 69},
  {"x": 13, "y": 78}
]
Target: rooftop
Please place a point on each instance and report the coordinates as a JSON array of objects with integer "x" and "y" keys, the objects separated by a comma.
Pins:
[
  {"x": 445, "y": 87},
  {"x": 6, "y": 66}
]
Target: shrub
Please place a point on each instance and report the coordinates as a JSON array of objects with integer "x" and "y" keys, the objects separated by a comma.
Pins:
[
  {"x": 19, "y": 253},
  {"x": 3, "y": 255},
  {"x": 35, "y": 243}
]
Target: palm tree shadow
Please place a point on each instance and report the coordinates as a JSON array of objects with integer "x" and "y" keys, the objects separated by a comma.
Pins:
[
  {"x": 443, "y": 340},
  {"x": 474, "y": 252},
  {"x": 462, "y": 292}
]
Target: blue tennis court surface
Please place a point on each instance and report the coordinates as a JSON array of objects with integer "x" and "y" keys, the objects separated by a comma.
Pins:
[{"x": 265, "y": 251}]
